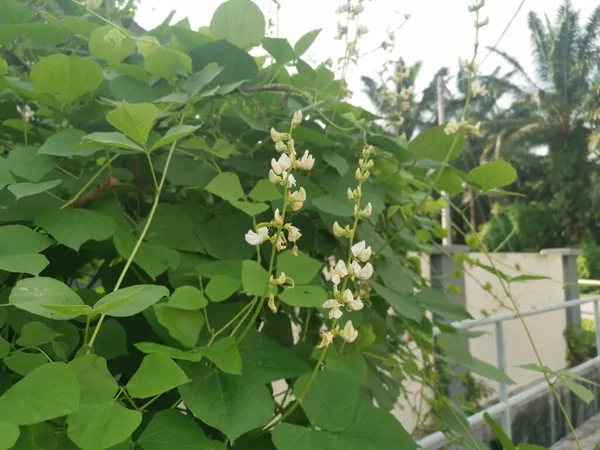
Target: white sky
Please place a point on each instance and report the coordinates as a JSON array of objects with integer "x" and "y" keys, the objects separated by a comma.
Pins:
[{"x": 437, "y": 33}]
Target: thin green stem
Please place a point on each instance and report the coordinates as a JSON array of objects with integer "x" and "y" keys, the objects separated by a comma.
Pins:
[
  {"x": 129, "y": 399},
  {"x": 142, "y": 235},
  {"x": 87, "y": 330},
  {"x": 154, "y": 179},
  {"x": 245, "y": 310},
  {"x": 65, "y": 171},
  {"x": 298, "y": 400},
  {"x": 149, "y": 402},
  {"x": 89, "y": 183}
]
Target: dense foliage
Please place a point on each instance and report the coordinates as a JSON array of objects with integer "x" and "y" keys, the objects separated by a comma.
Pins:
[{"x": 161, "y": 265}]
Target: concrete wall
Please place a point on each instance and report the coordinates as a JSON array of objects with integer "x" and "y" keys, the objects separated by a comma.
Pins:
[{"x": 546, "y": 329}]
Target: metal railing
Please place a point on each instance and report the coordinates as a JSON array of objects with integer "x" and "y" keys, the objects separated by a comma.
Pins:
[{"x": 503, "y": 407}]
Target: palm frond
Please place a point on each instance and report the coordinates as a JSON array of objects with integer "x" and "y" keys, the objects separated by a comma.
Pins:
[
  {"x": 539, "y": 43},
  {"x": 514, "y": 63}
]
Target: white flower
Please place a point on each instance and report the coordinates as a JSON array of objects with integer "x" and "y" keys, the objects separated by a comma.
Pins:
[
  {"x": 334, "y": 308},
  {"x": 281, "y": 165},
  {"x": 405, "y": 93},
  {"x": 257, "y": 238},
  {"x": 296, "y": 199},
  {"x": 281, "y": 244},
  {"x": 294, "y": 233},
  {"x": 297, "y": 119},
  {"x": 349, "y": 333},
  {"x": 361, "y": 251},
  {"x": 288, "y": 179},
  {"x": 278, "y": 137},
  {"x": 464, "y": 63},
  {"x": 326, "y": 339},
  {"x": 350, "y": 302},
  {"x": 339, "y": 272},
  {"x": 26, "y": 112},
  {"x": 274, "y": 178},
  {"x": 363, "y": 273},
  {"x": 452, "y": 127},
  {"x": 306, "y": 162},
  {"x": 361, "y": 30},
  {"x": 478, "y": 89}
]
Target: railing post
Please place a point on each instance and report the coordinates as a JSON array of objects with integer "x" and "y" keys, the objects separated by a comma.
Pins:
[
  {"x": 443, "y": 272},
  {"x": 505, "y": 421},
  {"x": 569, "y": 281}
]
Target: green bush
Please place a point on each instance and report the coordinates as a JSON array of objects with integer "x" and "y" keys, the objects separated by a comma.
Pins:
[
  {"x": 588, "y": 265},
  {"x": 581, "y": 342},
  {"x": 520, "y": 227},
  {"x": 164, "y": 230}
]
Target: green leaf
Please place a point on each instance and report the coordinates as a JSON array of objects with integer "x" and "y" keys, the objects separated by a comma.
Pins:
[
  {"x": 240, "y": 22},
  {"x": 26, "y": 163},
  {"x": 174, "y": 134},
  {"x": 264, "y": 191},
  {"x": 302, "y": 268},
  {"x": 372, "y": 429},
  {"x": 5, "y": 347},
  {"x": 9, "y": 434},
  {"x": 435, "y": 144},
  {"x": 336, "y": 161},
  {"x": 79, "y": 25},
  {"x": 188, "y": 298},
  {"x": 232, "y": 269},
  {"x": 226, "y": 185},
  {"x": 449, "y": 181},
  {"x": 23, "y": 363},
  {"x": 492, "y": 175},
  {"x": 95, "y": 381},
  {"x": 403, "y": 305},
  {"x": 66, "y": 77},
  {"x": 171, "y": 430},
  {"x": 34, "y": 334},
  {"x": 255, "y": 278},
  {"x": 74, "y": 227},
  {"x": 224, "y": 354},
  {"x": 112, "y": 139},
  {"x": 200, "y": 79},
  {"x": 304, "y": 296},
  {"x": 305, "y": 42},
  {"x": 66, "y": 144},
  {"x": 131, "y": 300},
  {"x": 110, "y": 44},
  {"x": 21, "y": 190},
  {"x": 51, "y": 391},
  {"x": 184, "y": 326},
  {"x": 333, "y": 205},
  {"x": 14, "y": 11},
  {"x": 231, "y": 403},
  {"x": 506, "y": 442},
  {"x": 280, "y": 49},
  {"x": 171, "y": 352},
  {"x": 264, "y": 360},
  {"x": 337, "y": 390},
  {"x": 580, "y": 391},
  {"x": 438, "y": 303},
  {"x": 6, "y": 177},
  {"x": 112, "y": 342},
  {"x": 153, "y": 259},
  {"x": 134, "y": 120},
  {"x": 32, "y": 264},
  {"x": 101, "y": 426},
  {"x": 33, "y": 294},
  {"x": 221, "y": 287},
  {"x": 167, "y": 63},
  {"x": 252, "y": 209},
  {"x": 157, "y": 374},
  {"x": 132, "y": 90},
  {"x": 173, "y": 227}
]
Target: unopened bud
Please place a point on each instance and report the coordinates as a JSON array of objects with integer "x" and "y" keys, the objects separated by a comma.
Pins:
[
  {"x": 297, "y": 119},
  {"x": 280, "y": 147},
  {"x": 271, "y": 303},
  {"x": 278, "y": 137}
]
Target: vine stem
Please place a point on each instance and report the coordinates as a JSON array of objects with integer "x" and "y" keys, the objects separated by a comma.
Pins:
[
  {"x": 298, "y": 400},
  {"x": 89, "y": 183},
  {"x": 140, "y": 240}
]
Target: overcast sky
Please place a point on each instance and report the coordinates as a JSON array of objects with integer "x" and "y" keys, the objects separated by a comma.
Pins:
[{"x": 437, "y": 33}]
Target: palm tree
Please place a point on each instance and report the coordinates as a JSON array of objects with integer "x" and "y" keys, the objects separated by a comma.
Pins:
[{"x": 553, "y": 108}]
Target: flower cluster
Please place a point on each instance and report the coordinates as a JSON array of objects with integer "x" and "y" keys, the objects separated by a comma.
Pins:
[
  {"x": 356, "y": 268},
  {"x": 453, "y": 127},
  {"x": 281, "y": 173}
]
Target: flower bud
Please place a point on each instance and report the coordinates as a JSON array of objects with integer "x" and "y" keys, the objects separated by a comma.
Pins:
[
  {"x": 350, "y": 194},
  {"x": 278, "y": 220},
  {"x": 338, "y": 230},
  {"x": 281, "y": 147},
  {"x": 271, "y": 303},
  {"x": 277, "y": 136},
  {"x": 358, "y": 174},
  {"x": 368, "y": 210},
  {"x": 297, "y": 119}
]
